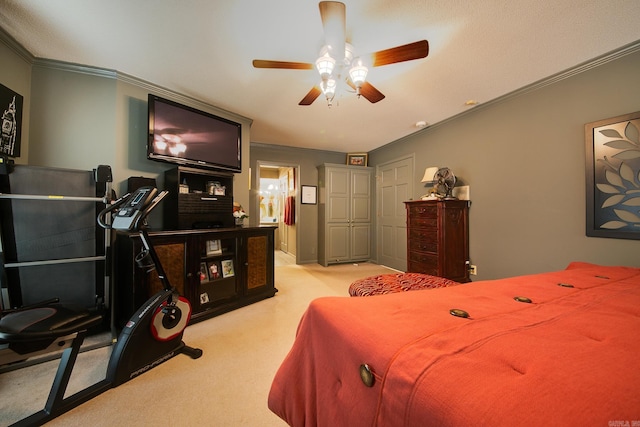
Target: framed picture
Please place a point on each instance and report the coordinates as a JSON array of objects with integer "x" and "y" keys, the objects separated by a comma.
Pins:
[
  {"x": 203, "y": 272},
  {"x": 357, "y": 159},
  {"x": 214, "y": 270},
  {"x": 204, "y": 298},
  {"x": 309, "y": 195},
  {"x": 11, "y": 122},
  {"x": 612, "y": 176},
  {"x": 227, "y": 268},
  {"x": 213, "y": 247}
]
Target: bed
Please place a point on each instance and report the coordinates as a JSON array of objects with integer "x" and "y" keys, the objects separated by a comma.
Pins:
[{"x": 558, "y": 348}]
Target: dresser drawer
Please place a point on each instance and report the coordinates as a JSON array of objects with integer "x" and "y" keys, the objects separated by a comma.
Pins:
[
  {"x": 429, "y": 267},
  {"x": 428, "y": 233},
  {"x": 422, "y": 222},
  {"x": 423, "y": 245},
  {"x": 424, "y": 258},
  {"x": 424, "y": 210}
]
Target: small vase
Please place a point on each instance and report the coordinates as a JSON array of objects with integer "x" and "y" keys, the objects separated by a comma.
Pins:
[{"x": 239, "y": 222}]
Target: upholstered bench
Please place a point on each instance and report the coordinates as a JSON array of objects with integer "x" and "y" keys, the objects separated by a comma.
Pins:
[{"x": 398, "y": 282}]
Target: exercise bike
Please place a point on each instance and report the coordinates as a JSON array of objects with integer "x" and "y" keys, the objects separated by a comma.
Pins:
[{"x": 152, "y": 335}]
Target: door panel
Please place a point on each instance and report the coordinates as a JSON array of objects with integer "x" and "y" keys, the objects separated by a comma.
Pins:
[
  {"x": 361, "y": 184},
  {"x": 361, "y": 210},
  {"x": 395, "y": 185},
  {"x": 338, "y": 208},
  {"x": 338, "y": 242},
  {"x": 338, "y": 183},
  {"x": 360, "y": 242}
]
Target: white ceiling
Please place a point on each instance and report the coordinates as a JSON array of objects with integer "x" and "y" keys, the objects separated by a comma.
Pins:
[{"x": 479, "y": 50}]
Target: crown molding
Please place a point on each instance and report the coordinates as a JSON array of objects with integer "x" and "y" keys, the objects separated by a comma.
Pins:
[{"x": 12, "y": 44}]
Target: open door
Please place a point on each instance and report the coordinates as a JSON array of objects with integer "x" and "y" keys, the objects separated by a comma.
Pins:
[{"x": 277, "y": 204}]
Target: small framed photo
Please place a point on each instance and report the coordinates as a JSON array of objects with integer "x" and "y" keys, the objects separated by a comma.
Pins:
[
  {"x": 309, "y": 195},
  {"x": 214, "y": 247},
  {"x": 203, "y": 272},
  {"x": 214, "y": 270},
  {"x": 357, "y": 159},
  {"x": 227, "y": 268},
  {"x": 204, "y": 298}
]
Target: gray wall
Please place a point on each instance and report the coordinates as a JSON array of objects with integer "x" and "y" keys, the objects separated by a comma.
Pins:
[
  {"x": 73, "y": 116},
  {"x": 524, "y": 159},
  {"x": 306, "y": 215}
]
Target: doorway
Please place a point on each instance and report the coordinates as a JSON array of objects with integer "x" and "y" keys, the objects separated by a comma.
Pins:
[
  {"x": 394, "y": 187},
  {"x": 276, "y": 203}
]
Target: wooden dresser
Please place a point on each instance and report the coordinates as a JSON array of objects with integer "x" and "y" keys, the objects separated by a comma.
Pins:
[{"x": 438, "y": 238}]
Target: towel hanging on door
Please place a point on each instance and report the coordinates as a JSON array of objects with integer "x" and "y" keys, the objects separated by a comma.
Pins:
[{"x": 289, "y": 211}]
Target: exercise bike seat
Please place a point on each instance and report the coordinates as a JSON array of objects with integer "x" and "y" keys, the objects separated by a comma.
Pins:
[
  {"x": 45, "y": 322},
  {"x": 32, "y": 331}
]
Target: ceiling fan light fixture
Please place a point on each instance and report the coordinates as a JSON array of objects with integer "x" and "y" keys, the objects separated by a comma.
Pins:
[
  {"x": 337, "y": 57},
  {"x": 328, "y": 87},
  {"x": 358, "y": 74},
  {"x": 325, "y": 65}
]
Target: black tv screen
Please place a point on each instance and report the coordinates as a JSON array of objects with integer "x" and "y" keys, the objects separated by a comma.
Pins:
[{"x": 186, "y": 136}]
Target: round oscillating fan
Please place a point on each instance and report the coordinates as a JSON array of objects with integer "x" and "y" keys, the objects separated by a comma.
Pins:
[{"x": 444, "y": 182}]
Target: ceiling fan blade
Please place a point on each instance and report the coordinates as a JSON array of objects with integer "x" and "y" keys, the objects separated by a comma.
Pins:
[
  {"x": 407, "y": 52},
  {"x": 264, "y": 63},
  {"x": 311, "y": 96},
  {"x": 372, "y": 94},
  {"x": 367, "y": 90},
  {"x": 333, "y": 14}
]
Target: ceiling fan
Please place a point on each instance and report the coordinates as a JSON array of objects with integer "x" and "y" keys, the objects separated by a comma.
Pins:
[{"x": 337, "y": 63}]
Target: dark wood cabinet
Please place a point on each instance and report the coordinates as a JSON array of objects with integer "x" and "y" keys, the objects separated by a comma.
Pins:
[
  {"x": 216, "y": 270},
  {"x": 438, "y": 238}
]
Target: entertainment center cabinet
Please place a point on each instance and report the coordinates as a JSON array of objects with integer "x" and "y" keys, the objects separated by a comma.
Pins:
[
  {"x": 217, "y": 270},
  {"x": 217, "y": 266},
  {"x": 189, "y": 204}
]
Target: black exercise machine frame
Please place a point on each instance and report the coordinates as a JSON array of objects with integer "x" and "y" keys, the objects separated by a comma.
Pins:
[{"x": 137, "y": 350}]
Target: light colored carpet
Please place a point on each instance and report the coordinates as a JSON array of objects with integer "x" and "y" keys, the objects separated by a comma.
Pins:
[{"x": 227, "y": 386}]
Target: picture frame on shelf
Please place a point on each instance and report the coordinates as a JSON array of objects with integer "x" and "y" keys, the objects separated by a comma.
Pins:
[
  {"x": 204, "y": 276},
  {"x": 214, "y": 270},
  {"x": 204, "y": 298},
  {"x": 227, "y": 268},
  {"x": 357, "y": 159},
  {"x": 213, "y": 247}
]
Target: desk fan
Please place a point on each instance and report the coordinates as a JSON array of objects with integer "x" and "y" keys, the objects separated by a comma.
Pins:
[{"x": 444, "y": 181}]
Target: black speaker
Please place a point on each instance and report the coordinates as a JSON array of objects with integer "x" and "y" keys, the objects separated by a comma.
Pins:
[{"x": 135, "y": 182}]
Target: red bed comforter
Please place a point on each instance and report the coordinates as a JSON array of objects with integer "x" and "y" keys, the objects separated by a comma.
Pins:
[{"x": 570, "y": 357}]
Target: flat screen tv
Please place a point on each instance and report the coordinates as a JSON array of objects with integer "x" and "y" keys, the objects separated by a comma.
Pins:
[{"x": 186, "y": 136}]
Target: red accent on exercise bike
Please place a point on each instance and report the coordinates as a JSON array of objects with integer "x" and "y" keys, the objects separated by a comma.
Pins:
[{"x": 163, "y": 326}]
